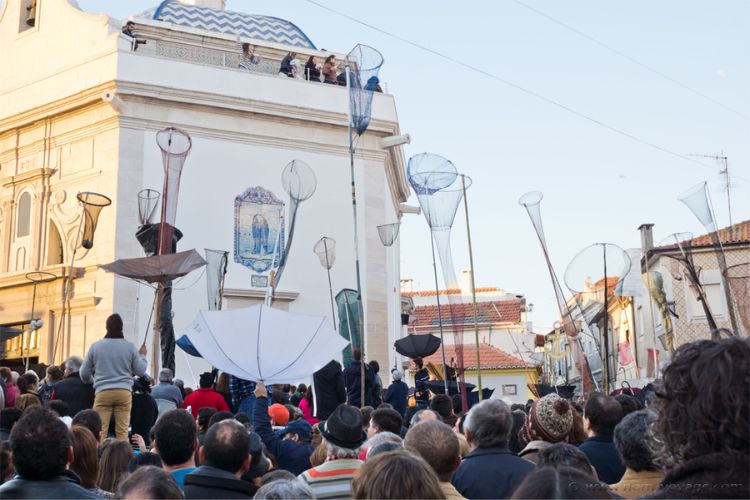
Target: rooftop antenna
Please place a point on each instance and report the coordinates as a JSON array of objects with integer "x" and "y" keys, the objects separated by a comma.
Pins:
[{"x": 724, "y": 162}]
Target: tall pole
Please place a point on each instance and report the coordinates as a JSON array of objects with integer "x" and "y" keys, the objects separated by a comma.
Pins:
[
  {"x": 156, "y": 340},
  {"x": 606, "y": 324},
  {"x": 356, "y": 240},
  {"x": 473, "y": 287},
  {"x": 440, "y": 315},
  {"x": 330, "y": 286}
]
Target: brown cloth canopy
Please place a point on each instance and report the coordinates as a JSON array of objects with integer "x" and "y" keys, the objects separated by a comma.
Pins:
[{"x": 158, "y": 268}]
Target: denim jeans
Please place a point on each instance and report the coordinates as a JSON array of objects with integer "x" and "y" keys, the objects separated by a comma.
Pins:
[{"x": 246, "y": 406}]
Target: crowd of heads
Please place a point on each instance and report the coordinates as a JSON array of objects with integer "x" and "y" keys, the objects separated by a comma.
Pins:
[{"x": 695, "y": 426}]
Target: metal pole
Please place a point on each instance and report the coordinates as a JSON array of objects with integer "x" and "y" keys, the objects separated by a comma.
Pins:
[
  {"x": 440, "y": 315},
  {"x": 330, "y": 286},
  {"x": 356, "y": 239},
  {"x": 473, "y": 287},
  {"x": 156, "y": 340},
  {"x": 31, "y": 326},
  {"x": 606, "y": 323},
  {"x": 66, "y": 285}
]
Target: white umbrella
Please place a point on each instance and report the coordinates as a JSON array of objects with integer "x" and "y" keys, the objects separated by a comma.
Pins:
[{"x": 263, "y": 343}]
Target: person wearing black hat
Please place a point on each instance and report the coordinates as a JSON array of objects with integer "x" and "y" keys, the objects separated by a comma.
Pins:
[
  {"x": 144, "y": 410},
  {"x": 111, "y": 364},
  {"x": 343, "y": 435},
  {"x": 259, "y": 464}
]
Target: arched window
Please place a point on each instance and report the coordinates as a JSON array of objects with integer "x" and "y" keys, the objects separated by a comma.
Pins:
[
  {"x": 54, "y": 246},
  {"x": 23, "y": 219}
]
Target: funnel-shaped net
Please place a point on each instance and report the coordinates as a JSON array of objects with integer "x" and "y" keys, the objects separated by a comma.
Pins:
[
  {"x": 440, "y": 190},
  {"x": 738, "y": 277},
  {"x": 631, "y": 282},
  {"x": 175, "y": 146},
  {"x": 388, "y": 233},
  {"x": 531, "y": 201},
  {"x": 299, "y": 182},
  {"x": 594, "y": 277},
  {"x": 92, "y": 204},
  {"x": 325, "y": 249},
  {"x": 363, "y": 63},
  {"x": 697, "y": 199},
  {"x": 148, "y": 200},
  {"x": 350, "y": 326},
  {"x": 216, "y": 270}
]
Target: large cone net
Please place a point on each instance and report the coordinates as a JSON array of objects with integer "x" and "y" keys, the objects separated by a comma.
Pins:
[
  {"x": 175, "y": 146},
  {"x": 92, "y": 204},
  {"x": 439, "y": 190},
  {"x": 698, "y": 201},
  {"x": 350, "y": 327},
  {"x": 594, "y": 280},
  {"x": 300, "y": 183},
  {"x": 531, "y": 201},
  {"x": 363, "y": 63}
]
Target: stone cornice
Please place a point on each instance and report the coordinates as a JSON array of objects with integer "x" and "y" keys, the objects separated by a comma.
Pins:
[
  {"x": 10, "y": 280},
  {"x": 31, "y": 175},
  {"x": 66, "y": 105}
]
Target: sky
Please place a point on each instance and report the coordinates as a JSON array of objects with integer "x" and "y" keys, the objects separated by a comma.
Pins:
[{"x": 599, "y": 185}]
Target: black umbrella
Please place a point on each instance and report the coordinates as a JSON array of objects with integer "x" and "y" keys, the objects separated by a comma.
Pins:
[
  {"x": 473, "y": 397},
  {"x": 417, "y": 346},
  {"x": 565, "y": 391},
  {"x": 9, "y": 333},
  {"x": 438, "y": 387}
]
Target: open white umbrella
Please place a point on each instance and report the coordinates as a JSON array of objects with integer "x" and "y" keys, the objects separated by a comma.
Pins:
[{"x": 263, "y": 343}]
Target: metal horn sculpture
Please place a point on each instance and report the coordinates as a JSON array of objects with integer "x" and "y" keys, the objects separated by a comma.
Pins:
[
  {"x": 91, "y": 205},
  {"x": 698, "y": 200},
  {"x": 531, "y": 201}
]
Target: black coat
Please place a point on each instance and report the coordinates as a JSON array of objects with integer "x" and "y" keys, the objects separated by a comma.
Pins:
[
  {"x": 603, "y": 455},
  {"x": 397, "y": 395},
  {"x": 210, "y": 482},
  {"x": 63, "y": 486},
  {"x": 491, "y": 473},
  {"x": 353, "y": 382},
  {"x": 328, "y": 389},
  {"x": 143, "y": 414},
  {"x": 75, "y": 392},
  {"x": 717, "y": 475}
]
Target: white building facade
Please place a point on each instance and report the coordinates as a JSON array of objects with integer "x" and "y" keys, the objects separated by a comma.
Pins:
[{"x": 79, "y": 111}]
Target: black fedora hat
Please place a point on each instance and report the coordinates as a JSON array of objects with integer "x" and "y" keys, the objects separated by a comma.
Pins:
[{"x": 344, "y": 427}]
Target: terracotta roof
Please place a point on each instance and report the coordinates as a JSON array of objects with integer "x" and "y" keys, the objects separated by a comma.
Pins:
[
  {"x": 463, "y": 314},
  {"x": 490, "y": 357},
  {"x": 450, "y": 291},
  {"x": 737, "y": 233}
]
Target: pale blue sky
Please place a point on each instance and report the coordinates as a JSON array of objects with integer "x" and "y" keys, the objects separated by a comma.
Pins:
[{"x": 598, "y": 185}]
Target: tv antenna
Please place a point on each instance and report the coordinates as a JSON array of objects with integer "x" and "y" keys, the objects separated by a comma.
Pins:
[{"x": 724, "y": 171}]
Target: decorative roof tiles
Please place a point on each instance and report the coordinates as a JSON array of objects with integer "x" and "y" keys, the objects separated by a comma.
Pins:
[
  {"x": 496, "y": 311},
  {"x": 266, "y": 28},
  {"x": 490, "y": 357}
]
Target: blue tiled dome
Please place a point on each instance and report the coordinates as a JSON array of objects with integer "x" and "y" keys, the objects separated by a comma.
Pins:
[{"x": 269, "y": 29}]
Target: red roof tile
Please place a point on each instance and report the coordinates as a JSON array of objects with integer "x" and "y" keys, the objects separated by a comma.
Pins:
[
  {"x": 463, "y": 314},
  {"x": 489, "y": 356},
  {"x": 450, "y": 291},
  {"x": 737, "y": 233}
]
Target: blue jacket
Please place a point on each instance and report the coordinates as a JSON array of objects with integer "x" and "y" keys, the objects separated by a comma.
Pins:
[
  {"x": 291, "y": 456},
  {"x": 490, "y": 473},
  {"x": 604, "y": 457},
  {"x": 396, "y": 395}
]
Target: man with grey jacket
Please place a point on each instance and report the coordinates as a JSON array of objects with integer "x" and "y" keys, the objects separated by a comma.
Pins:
[{"x": 110, "y": 365}]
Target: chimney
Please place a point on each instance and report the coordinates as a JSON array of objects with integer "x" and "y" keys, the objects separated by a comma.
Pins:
[
  {"x": 647, "y": 238},
  {"x": 407, "y": 285},
  {"x": 465, "y": 282}
]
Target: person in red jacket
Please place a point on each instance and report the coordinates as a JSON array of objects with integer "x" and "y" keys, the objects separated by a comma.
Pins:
[{"x": 205, "y": 397}]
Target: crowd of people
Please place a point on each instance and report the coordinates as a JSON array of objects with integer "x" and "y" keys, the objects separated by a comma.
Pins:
[{"x": 99, "y": 427}]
